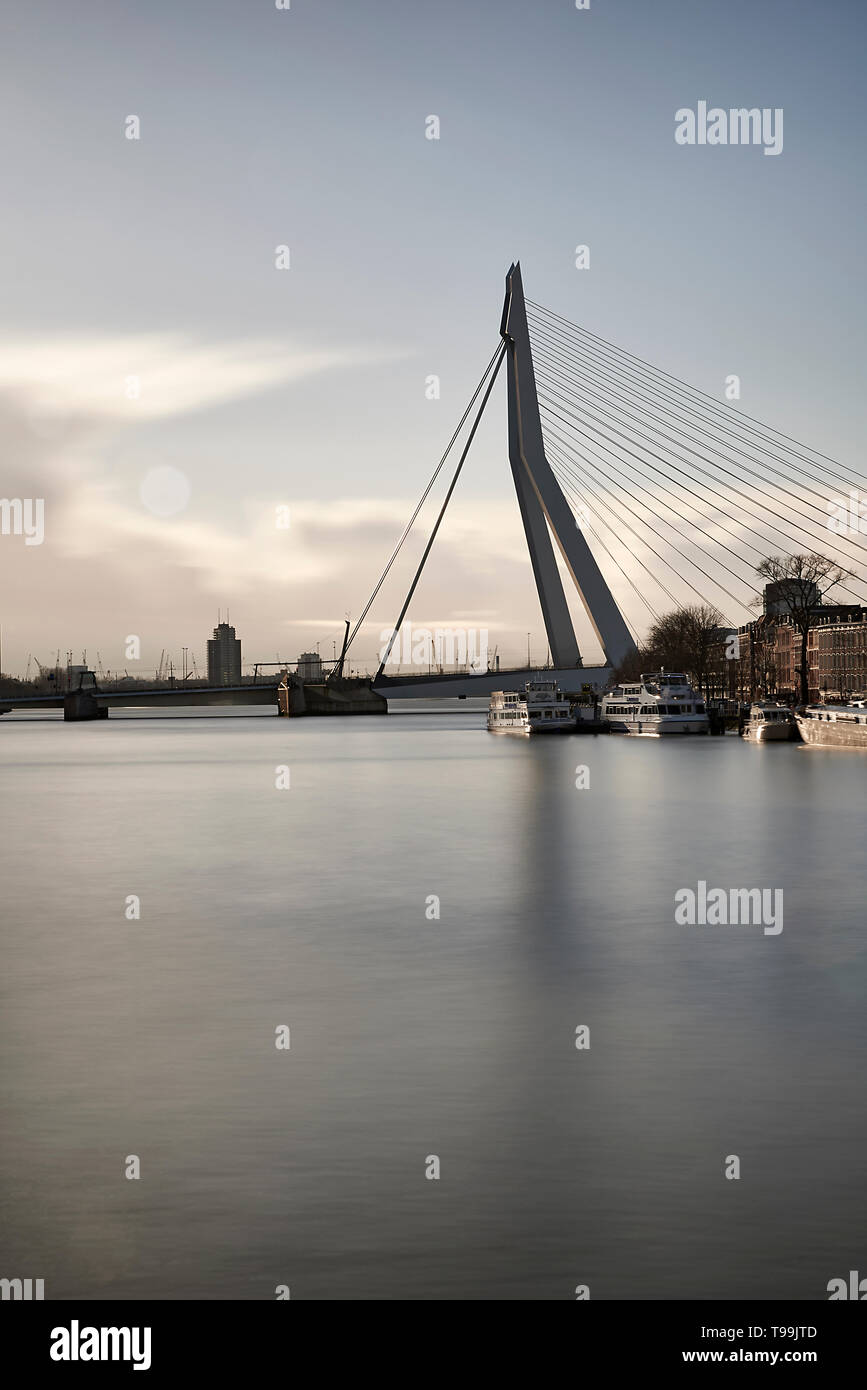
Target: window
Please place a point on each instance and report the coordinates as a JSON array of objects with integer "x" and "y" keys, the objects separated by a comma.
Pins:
[{"x": 699, "y": 709}]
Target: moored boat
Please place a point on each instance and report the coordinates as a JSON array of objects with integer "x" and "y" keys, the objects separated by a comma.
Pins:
[
  {"x": 507, "y": 713},
  {"x": 769, "y": 723},
  {"x": 548, "y": 709},
  {"x": 834, "y": 726},
  {"x": 660, "y": 704}
]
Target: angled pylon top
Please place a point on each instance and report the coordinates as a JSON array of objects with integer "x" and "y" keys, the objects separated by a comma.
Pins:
[{"x": 544, "y": 509}]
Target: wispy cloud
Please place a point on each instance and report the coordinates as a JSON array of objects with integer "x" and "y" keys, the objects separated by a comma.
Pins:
[{"x": 154, "y": 376}]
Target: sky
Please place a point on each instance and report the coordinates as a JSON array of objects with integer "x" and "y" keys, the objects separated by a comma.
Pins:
[{"x": 165, "y": 388}]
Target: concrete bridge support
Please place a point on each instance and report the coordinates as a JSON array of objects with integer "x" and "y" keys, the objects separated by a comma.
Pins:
[{"x": 79, "y": 705}]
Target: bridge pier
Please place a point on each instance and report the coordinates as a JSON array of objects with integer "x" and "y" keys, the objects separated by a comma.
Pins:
[
  {"x": 78, "y": 705},
  {"x": 341, "y": 695},
  {"x": 290, "y": 697}
]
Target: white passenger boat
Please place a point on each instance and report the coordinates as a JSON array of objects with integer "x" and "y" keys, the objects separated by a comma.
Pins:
[
  {"x": 548, "y": 709},
  {"x": 659, "y": 704},
  {"x": 507, "y": 713},
  {"x": 769, "y": 722},
  {"x": 834, "y": 726}
]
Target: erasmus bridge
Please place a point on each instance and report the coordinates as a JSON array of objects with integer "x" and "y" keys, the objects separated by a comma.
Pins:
[
  {"x": 673, "y": 487},
  {"x": 621, "y": 470}
]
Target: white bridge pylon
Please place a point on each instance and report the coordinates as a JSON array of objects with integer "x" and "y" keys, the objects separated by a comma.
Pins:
[{"x": 545, "y": 511}]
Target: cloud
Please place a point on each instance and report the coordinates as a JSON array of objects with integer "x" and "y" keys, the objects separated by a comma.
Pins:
[{"x": 152, "y": 376}]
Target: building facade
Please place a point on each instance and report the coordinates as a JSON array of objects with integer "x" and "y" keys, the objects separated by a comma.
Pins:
[
  {"x": 224, "y": 656},
  {"x": 309, "y": 666},
  {"x": 765, "y": 660},
  {"x": 837, "y": 656}
]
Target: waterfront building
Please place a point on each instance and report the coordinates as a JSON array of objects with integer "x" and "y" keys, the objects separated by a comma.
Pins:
[
  {"x": 837, "y": 655},
  {"x": 309, "y": 667},
  {"x": 224, "y": 656},
  {"x": 768, "y": 658}
]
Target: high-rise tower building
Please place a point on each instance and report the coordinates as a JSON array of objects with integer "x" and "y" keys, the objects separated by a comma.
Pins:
[{"x": 224, "y": 656}]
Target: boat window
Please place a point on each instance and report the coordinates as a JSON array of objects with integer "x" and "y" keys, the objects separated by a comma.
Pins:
[{"x": 699, "y": 709}]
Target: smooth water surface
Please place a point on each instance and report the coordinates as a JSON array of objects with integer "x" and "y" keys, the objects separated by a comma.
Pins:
[{"x": 413, "y": 1036}]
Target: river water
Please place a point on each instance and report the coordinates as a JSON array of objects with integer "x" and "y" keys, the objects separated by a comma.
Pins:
[{"x": 413, "y": 1036}]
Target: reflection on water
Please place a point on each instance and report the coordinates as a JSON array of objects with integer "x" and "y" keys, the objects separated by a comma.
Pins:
[{"x": 410, "y": 1036}]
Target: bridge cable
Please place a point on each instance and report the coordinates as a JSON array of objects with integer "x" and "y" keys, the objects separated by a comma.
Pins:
[
  {"x": 716, "y": 582},
  {"x": 749, "y": 421},
  {"x": 766, "y": 482},
  {"x": 545, "y": 406},
  {"x": 499, "y": 355},
  {"x": 422, "y": 500},
  {"x": 588, "y": 526},
  {"x": 614, "y": 461},
  {"x": 574, "y": 464},
  {"x": 617, "y": 390},
  {"x": 586, "y": 487}
]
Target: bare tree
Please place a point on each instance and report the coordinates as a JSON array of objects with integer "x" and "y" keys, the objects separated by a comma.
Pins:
[
  {"x": 633, "y": 665},
  {"x": 669, "y": 640},
  {"x": 703, "y": 624},
  {"x": 799, "y": 578},
  {"x": 683, "y": 639}
]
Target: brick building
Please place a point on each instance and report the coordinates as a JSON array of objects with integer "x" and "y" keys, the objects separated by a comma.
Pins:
[
  {"x": 768, "y": 657},
  {"x": 837, "y": 654}
]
